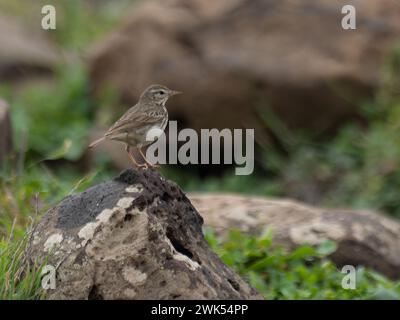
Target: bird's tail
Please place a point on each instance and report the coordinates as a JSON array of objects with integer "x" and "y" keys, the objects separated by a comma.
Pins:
[{"x": 95, "y": 143}]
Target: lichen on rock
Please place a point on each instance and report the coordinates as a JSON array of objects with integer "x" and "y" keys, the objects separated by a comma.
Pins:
[{"x": 135, "y": 237}]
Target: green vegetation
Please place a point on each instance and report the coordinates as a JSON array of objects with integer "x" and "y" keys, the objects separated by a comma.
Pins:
[
  {"x": 358, "y": 167},
  {"x": 305, "y": 273},
  {"x": 18, "y": 280},
  {"x": 44, "y": 111}
]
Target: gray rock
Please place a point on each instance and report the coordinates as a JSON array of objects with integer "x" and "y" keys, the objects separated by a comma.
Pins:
[
  {"x": 136, "y": 237},
  {"x": 363, "y": 237},
  {"x": 24, "y": 50}
]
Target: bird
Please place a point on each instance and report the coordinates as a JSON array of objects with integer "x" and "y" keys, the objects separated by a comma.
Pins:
[{"x": 148, "y": 114}]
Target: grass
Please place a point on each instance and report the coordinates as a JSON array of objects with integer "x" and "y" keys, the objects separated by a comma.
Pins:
[{"x": 18, "y": 279}]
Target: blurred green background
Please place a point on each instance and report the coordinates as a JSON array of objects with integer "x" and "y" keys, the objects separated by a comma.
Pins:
[{"x": 52, "y": 118}]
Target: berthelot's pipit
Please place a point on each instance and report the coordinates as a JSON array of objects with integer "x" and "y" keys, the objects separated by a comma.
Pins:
[{"x": 148, "y": 114}]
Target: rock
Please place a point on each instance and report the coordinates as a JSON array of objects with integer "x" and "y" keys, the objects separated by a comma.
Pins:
[
  {"x": 231, "y": 57},
  {"x": 5, "y": 131},
  {"x": 363, "y": 237},
  {"x": 136, "y": 237},
  {"x": 24, "y": 50}
]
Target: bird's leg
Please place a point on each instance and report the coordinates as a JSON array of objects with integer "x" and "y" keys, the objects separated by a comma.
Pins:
[
  {"x": 135, "y": 163},
  {"x": 147, "y": 161}
]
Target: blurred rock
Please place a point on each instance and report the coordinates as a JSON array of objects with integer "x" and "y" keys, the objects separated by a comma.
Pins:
[
  {"x": 24, "y": 50},
  {"x": 5, "y": 131},
  {"x": 229, "y": 57},
  {"x": 363, "y": 238},
  {"x": 135, "y": 237}
]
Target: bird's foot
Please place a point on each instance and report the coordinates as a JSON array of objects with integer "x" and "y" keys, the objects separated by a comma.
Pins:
[
  {"x": 140, "y": 166},
  {"x": 148, "y": 166}
]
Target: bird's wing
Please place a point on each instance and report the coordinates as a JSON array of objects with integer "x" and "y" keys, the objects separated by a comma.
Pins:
[{"x": 133, "y": 120}]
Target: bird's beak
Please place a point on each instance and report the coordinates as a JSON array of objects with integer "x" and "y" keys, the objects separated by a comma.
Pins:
[{"x": 174, "y": 93}]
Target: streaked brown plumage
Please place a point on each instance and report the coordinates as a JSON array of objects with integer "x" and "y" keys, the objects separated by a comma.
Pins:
[{"x": 132, "y": 128}]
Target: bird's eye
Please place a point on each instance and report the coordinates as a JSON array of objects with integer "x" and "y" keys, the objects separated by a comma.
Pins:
[{"x": 161, "y": 92}]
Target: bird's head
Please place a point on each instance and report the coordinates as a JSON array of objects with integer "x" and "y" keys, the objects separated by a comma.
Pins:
[{"x": 158, "y": 94}]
